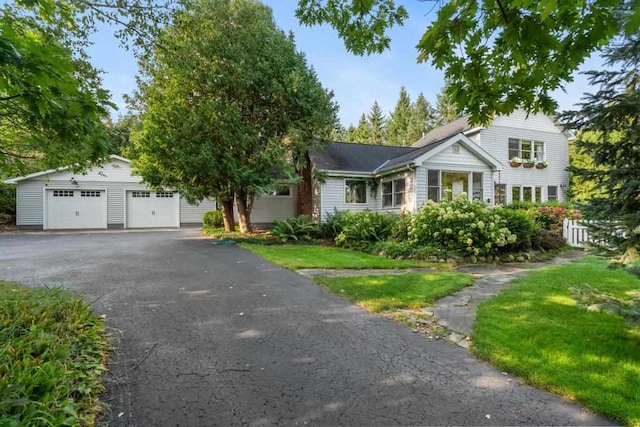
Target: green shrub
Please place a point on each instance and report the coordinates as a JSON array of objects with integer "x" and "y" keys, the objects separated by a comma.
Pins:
[
  {"x": 394, "y": 249},
  {"x": 7, "y": 204},
  {"x": 361, "y": 230},
  {"x": 551, "y": 217},
  {"x": 213, "y": 219},
  {"x": 400, "y": 228},
  {"x": 333, "y": 223},
  {"x": 460, "y": 226},
  {"x": 297, "y": 228},
  {"x": 548, "y": 240},
  {"x": 521, "y": 224}
]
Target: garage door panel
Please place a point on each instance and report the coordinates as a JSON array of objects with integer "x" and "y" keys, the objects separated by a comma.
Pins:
[
  {"x": 76, "y": 209},
  {"x": 147, "y": 209}
]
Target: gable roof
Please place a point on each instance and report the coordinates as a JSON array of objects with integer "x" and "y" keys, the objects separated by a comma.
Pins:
[
  {"x": 50, "y": 171},
  {"x": 366, "y": 158},
  {"x": 460, "y": 125}
]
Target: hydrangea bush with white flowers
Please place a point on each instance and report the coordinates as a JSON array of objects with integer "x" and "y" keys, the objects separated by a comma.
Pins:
[{"x": 460, "y": 225}]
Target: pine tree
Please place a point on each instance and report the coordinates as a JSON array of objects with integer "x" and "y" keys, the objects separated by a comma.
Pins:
[
  {"x": 377, "y": 123},
  {"x": 360, "y": 133},
  {"x": 398, "y": 124},
  {"x": 446, "y": 109},
  {"x": 613, "y": 115},
  {"x": 422, "y": 119}
]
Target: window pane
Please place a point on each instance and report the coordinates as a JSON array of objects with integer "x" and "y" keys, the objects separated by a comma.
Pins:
[
  {"x": 527, "y": 194},
  {"x": 538, "y": 194},
  {"x": 398, "y": 192},
  {"x": 477, "y": 186},
  {"x": 387, "y": 187},
  {"x": 515, "y": 194},
  {"x": 456, "y": 182},
  {"x": 539, "y": 150},
  {"x": 514, "y": 148},
  {"x": 501, "y": 194},
  {"x": 387, "y": 200},
  {"x": 432, "y": 194},
  {"x": 527, "y": 150},
  {"x": 433, "y": 178},
  {"x": 552, "y": 193},
  {"x": 355, "y": 191}
]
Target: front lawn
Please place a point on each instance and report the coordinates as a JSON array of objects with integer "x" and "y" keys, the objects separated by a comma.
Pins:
[
  {"x": 536, "y": 330},
  {"x": 309, "y": 256},
  {"x": 52, "y": 355},
  {"x": 393, "y": 292}
]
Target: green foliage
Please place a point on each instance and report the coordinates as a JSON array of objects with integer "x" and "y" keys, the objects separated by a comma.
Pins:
[
  {"x": 212, "y": 219},
  {"x": 120, "y": 135},
  {"x": 422, "y": 119},
  {"x": 520, "y": 223},
  {"x": 446, "y": 108},
  {"x": 360, "y": 133},
  {"x": 333, "y": 223},
  {"x": 583, "y": 187},
  {"x": 497, "y": 56},
  {"x": 229, "y": 105},
  {"x": 461, "y": 226},
  {"x": 551, "y": 218},
  {"x": 8, "y": 200},
  {"x": 377, "y": 122},
  {"x": 594, "y": 300},
  {"x": 609, "y": 121},
  {"x": 298, "y": 229},
  {"x": 393, "y": 292},
  {"x": 395, "y": 249},
  {"x": 534, "y": 329},
  {"x": 361, "y": 229},
  {"x": 52, "y": 355},
  {"x": 400, "y": 120}
]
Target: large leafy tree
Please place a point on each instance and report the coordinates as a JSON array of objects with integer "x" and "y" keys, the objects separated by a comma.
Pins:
[
  {"x": 498, "y": 54},
  {"x": 228, "y": 106},
  {"x": 377, "y": 123},
  {"x": 52, "y": 105},
  {"x": 609, "y": 121},
  {"x": 446, "y": 109},
  {"x": 398, "y": 124}
]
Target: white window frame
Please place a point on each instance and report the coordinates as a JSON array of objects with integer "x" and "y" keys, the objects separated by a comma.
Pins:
[
  {"x": 532, "y": 152},
  {"x": 394, "y": 193},
  {"x": 274, "y": 192},
  {"x": 346, "y": 188}
]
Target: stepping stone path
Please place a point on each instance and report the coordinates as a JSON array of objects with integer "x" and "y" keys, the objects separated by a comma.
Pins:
[{"x": 457, "y": 312}]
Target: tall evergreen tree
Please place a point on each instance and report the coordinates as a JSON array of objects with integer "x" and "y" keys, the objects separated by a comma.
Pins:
[
  {"x": 422, "y": 119},
  {"x": 613, "y": 115},
  {"x": 446, "y": 108},
  {"x": 360, "y": 133},
  {"x": 377, "y": 123},
  {"x": 398, "y": 124}
]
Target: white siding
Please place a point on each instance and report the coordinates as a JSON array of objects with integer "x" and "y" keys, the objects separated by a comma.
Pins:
[
  {"x": 463, "y": 158},
  {"x": 333, "y": 197},
  {"x": 111, "y": 171},
  {"x": 495, "y": 139},
  {"x": 267, "y": 209},
  {"x": 192, "y": 214},
  {"x": 519, "y": 120}
]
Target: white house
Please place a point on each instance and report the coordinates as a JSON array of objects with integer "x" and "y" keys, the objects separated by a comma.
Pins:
[
  {"x": 456, "y": 157},
  {"x": 110, "y": 196}
]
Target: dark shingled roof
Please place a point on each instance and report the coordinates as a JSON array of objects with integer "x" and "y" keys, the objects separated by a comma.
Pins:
[
  {"x": 343, "y": 156},
  {"x": 408, "y": 157},
  {"x": 443, "y": 132}
]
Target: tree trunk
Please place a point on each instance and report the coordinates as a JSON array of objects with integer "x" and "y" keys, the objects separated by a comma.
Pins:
[
  {"x": 227, "y": 215},
  {"x": 305, "y": 189},
  {"x": 244, "y": 202}
]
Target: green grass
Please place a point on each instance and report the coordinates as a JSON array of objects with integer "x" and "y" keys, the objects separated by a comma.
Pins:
[
  {"x": 536, "y": 330},
  {"x": 310, "y": 256},
  {"x": 392, "y": 292},
  {"x": 52, "y": 356}
]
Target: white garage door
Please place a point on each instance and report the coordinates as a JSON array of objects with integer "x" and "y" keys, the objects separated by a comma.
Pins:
[
  {"x": 152, "y": 209},
  {"x": 68, "y": 209}
]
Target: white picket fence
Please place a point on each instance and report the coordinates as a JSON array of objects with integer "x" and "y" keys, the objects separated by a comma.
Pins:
[{"x": 575, "y": 233}]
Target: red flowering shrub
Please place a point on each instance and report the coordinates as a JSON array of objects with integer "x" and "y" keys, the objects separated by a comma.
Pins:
[{"x": 551, "y": 217}]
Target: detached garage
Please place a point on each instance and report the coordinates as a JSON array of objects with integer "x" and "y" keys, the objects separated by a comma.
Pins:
[{"x": 106, "y": 196}]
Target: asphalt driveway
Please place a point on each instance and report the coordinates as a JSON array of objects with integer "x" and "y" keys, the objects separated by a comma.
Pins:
[{"x": 214, "y": 335}]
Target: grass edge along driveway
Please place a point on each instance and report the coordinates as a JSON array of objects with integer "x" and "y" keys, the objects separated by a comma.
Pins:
[
  {"x": 537, "y": 331},
  {"x": 53, "y": 351},
  {"x": 296, "y": 257}
]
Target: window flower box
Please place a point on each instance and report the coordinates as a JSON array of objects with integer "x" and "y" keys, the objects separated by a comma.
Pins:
[
  {"x": 542, "y": 164},
  {"x": 528, "y": 164},
  {"x": 515, "y": 162}
]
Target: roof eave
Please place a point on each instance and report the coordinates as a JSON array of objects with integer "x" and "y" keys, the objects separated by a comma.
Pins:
[{"x": 18, "y": 179}]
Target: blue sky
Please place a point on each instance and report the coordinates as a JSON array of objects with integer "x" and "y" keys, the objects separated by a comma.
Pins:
[{"x": 356, "y": 81}]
